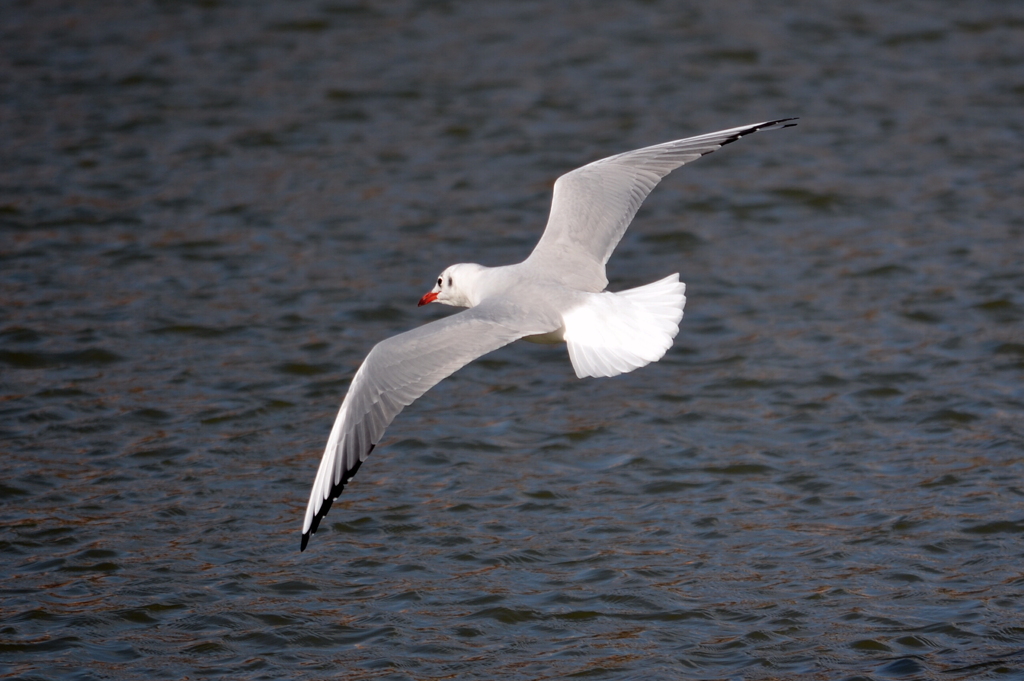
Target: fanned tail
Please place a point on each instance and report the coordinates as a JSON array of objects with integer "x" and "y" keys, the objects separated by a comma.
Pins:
[{"x": 615, "y": 333}]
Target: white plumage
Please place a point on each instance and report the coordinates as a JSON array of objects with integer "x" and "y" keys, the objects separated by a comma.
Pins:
[
  {"x": 556, "y": 294},
  {"x": 613, "y": 333}
]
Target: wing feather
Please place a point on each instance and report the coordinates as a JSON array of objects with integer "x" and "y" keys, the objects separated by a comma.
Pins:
[
  {"x": 395, "y": 373},
  {"x": 592, "y": 206}
]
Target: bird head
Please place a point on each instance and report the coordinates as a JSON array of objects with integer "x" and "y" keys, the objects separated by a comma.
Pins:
[{"x": 453, "y": 286}]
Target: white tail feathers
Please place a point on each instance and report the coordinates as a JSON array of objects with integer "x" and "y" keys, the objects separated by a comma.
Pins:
[{"x": 614, "y": 333}]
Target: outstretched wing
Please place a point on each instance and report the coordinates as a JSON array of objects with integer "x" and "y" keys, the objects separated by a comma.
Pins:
[
  {"x": 395, "y": 373},
  {"x": 592, "y": 206}
]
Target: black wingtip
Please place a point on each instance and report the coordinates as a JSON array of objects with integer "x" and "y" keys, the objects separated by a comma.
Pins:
[
  {"x": 767, "y": 125},
  {"x": 335, "y": 493}
]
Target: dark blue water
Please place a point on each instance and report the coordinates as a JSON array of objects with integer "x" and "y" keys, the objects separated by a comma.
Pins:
[{"x": 210, "y": 211}]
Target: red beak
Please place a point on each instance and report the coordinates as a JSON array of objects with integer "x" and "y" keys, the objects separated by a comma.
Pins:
[{"x": 427, "y": 298}]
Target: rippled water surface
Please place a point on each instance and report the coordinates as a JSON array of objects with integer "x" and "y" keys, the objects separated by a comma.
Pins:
[{"x": 210, "y": 211}]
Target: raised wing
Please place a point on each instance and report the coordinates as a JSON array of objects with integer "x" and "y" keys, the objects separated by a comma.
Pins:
[
  {"x": 395, "y": 373},
  {"x": 592, "y": 206}
]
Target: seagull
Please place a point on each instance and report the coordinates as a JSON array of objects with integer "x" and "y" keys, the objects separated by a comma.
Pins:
[{"x": 556, "y": 295}]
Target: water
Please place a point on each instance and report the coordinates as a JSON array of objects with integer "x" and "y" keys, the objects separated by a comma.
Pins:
[{"x": 211, "y": 211}]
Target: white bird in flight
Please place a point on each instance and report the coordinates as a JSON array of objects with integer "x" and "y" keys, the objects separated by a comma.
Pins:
[{"x": 557, "y": 294}]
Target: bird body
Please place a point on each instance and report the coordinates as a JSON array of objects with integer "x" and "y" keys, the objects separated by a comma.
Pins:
[{"x": 556, "y": 295}]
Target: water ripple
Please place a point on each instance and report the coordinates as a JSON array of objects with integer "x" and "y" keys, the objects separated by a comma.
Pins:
[{"x": 211, "y": 211}]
